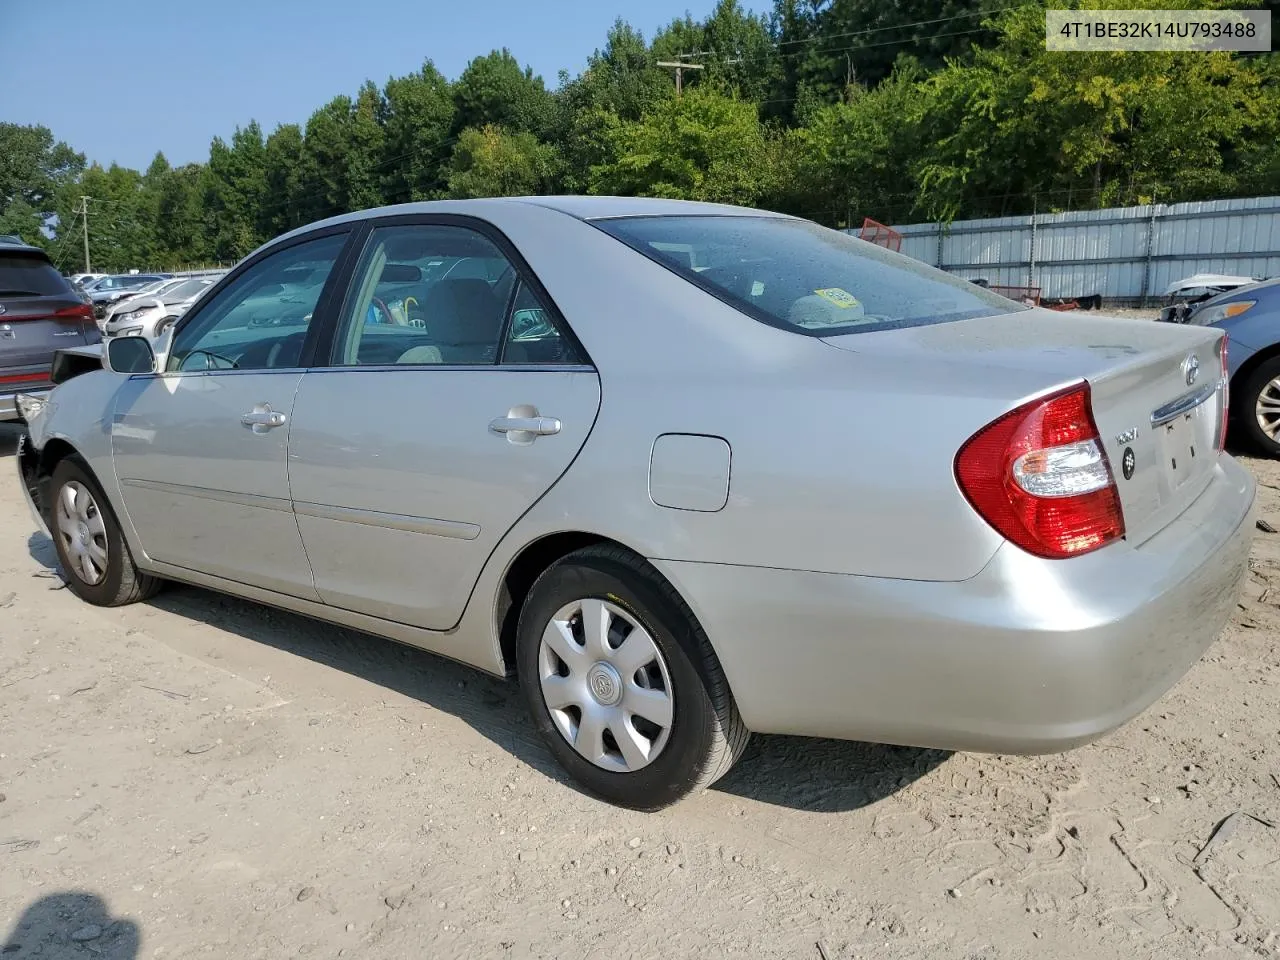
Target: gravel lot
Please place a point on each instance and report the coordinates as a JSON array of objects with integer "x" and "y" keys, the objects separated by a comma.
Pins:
[{"x": 201, "y": 776}]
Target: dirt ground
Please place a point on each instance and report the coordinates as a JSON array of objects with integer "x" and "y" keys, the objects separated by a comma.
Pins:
[{"x": 204, "y": 777}]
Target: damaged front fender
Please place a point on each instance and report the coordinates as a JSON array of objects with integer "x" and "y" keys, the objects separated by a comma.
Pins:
[{"x": 29, "y": 477}]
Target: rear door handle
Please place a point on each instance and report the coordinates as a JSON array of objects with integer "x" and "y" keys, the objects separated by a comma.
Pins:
[
  {"x": 262, "y": 418},
  {"x": 538, "y": 426},
  {"x": 524, "y": 424}
]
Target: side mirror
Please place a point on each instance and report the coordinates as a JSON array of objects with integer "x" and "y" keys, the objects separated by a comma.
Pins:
[{"x": 130, "y": 355}]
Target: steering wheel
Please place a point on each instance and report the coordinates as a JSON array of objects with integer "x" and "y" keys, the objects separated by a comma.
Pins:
[{"x": 386, "y": 313}]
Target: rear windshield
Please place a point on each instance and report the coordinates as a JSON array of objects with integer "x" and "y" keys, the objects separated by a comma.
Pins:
[
  {"x": 802, "y": 277},
  {"x": 28, "y": 275}
]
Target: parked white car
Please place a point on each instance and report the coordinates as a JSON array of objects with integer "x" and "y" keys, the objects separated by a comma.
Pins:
[{"x": 149, "y": 315}]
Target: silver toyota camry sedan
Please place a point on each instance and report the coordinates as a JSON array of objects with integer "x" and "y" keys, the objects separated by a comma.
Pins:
[{"x": 688, "y": 471}]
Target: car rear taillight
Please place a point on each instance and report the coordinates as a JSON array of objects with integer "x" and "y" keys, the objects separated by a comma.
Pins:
[
  {"x": 1224, "y": 395},
  {"x": 1040, "y": 477},
  {"x": 81, "y": 311}
]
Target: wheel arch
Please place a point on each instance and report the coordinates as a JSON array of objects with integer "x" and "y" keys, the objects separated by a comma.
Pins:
[
  {"x": 529, "y": 564},
  {"x": 525, "y": 567},
  {"x": 1250, "y": 364},
  {"x": 51, "y": 454}
]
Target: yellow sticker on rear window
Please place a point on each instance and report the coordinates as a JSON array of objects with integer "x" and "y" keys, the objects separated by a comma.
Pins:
[{"x": 841, "y": 298}]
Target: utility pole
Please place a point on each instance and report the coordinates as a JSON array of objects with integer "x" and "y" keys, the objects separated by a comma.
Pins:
[
  {"x": 680, "y": 68},
  {"x": 84, "y": 210}
]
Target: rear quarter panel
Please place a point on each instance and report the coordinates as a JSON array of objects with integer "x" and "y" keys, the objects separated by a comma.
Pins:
[{"x": 838, "y": 463}]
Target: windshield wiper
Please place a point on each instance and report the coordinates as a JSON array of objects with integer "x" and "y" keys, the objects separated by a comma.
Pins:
[{"x": 21, "y": 293}]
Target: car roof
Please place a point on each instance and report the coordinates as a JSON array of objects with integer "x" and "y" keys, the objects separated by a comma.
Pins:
[
  {"x": 11, "y": 244},
  {"x": 579, "y": 207},
  {"x": 601, "y": 208}
]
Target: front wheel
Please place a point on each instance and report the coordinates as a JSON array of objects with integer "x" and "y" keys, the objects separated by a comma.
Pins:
[
  {"x": 622, "y": 683},
  {"x": 1256, "y": 410},
  {"x": 95, "y": 558}
]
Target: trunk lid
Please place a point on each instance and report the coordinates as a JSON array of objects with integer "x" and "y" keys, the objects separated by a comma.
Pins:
[{"x": 1156, "y": 390}]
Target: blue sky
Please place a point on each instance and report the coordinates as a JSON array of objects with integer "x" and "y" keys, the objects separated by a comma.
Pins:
[{"x": 121, "y": 79}]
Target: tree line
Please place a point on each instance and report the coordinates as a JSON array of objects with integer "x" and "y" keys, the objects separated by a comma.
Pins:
[{"x": 899, "y": 110}]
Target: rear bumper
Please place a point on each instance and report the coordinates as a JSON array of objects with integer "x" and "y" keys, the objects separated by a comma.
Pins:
[{"x": 1029, "y": 656}]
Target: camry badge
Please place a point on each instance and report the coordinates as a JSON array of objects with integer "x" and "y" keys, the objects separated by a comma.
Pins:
[{"x": 1191, "y": 368}]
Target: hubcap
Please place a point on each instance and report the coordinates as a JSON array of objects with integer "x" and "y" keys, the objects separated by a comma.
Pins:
[
  {"x": 606, "y": 685},
  {"x": 83, "y": 532},
  {"x": 1267, "y": 409}
]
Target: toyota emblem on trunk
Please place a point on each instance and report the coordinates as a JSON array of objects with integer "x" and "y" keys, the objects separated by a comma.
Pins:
[{"x": 1191, "y": 368}]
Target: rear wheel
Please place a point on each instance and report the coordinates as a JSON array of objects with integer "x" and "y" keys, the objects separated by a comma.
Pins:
[
  {"x": 622, "y": 683},
  {"x": 95, "y": 559},
  {"x": 1256, "y": 410}
]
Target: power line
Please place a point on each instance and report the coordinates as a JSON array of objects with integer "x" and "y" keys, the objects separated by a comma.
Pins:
[
  {"x": 824, "y": 38},
  {"x": 85, "y": 202},
  {"x": 60, "y": 253}
]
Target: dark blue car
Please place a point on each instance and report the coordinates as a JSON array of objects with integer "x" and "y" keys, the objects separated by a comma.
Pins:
[{"x": 1250, "y": 316}]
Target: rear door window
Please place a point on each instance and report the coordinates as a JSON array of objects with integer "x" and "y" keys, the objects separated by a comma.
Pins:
[
  {"x": 430, "y": 294},
  {"x": 30, "y": 275},
  {"x": 801, "y": 277}
]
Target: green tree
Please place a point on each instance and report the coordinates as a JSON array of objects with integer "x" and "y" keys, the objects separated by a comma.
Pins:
[
  {"x": 121, "y": 234},
  {"x": 1020, "y": 125},
  {"x": 490, "y": 162},
  {"x": 282, "y": 169},
  {"x": 740, "y": 52},
  {"x": 180, "y": 236},
  {"x": 704, "y": 145},
  {"x": 34, "y": 170},
  {"x": 858, "y": 41},
  {"x": 682, "y": 37},
  {"x": 621, "y": 83},
  {"x": 417, "y": 120},
  {"x": 855, "y": 159},
  {"x": 494, "y": 89},
  {"x": 342, "y": 157},
  {"x": 794, "y": 26},
  {"x": 235, "y": 192},
  {"x": 621, "y": 78}
]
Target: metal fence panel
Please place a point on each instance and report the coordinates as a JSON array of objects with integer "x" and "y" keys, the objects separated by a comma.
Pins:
[{"x": 1124, "y": 253}]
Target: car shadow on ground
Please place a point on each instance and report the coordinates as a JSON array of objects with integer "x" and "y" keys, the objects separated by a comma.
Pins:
[
  {"x": 797, "y": 772},
  {"x": 801, "y": 773},
  {"x": 72, "y": 923}
]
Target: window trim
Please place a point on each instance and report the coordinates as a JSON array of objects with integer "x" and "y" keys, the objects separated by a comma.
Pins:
[
  {"x": 319, "y": 316},
  {"x": 323, "y": 357}
]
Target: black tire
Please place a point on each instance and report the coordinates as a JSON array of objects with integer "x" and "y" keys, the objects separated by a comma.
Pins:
[
  {"x": 122, "y": 582},
  {"x": 1244, "y": 403},
  {"x": 707, "y": 735}
]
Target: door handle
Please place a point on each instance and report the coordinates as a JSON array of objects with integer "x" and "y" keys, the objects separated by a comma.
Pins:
[
  {"x": 524, "y": 429},
  {"x": 262, "y": 418},
  {"x": 538, "y": 426}
]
